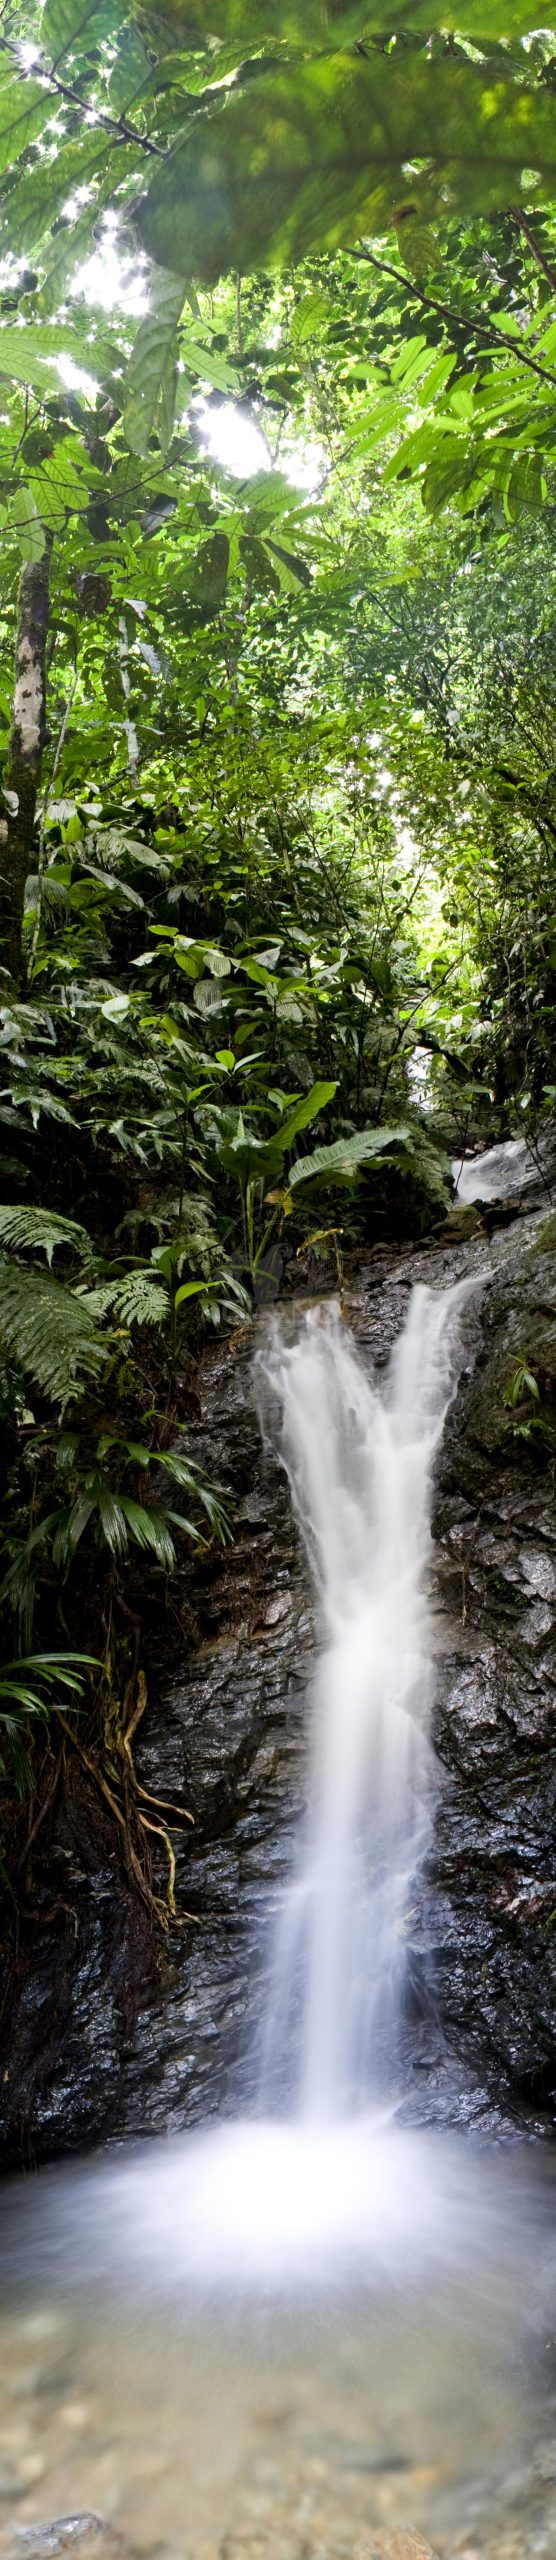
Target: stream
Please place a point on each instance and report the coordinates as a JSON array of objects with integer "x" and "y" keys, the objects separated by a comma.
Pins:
[{"x": 292, "y": 2330}]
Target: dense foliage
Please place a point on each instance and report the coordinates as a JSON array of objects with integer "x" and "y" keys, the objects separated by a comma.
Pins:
[{"x": 278, "y": 815}]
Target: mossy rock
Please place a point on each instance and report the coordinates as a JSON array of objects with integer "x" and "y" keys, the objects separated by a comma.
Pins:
[
  {"x": 545, "y": 1242},
  {"x": 461, "y": 1221}
]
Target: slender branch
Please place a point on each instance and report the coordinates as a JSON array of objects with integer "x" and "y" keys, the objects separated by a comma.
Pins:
[
  {"x": 486, "y": 330},
  {"x": 114, "y": 124},
  {"x": 523, "y": 224}
]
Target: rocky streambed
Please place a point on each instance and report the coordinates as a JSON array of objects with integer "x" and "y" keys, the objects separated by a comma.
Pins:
[{"x": 102, "y": 2039}]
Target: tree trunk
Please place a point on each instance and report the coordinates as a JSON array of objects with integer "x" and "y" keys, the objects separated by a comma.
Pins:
[{"x": 27, "y": 737}]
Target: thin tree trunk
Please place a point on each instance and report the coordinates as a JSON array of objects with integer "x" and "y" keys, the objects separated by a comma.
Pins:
[{"x": 27, "y": 737}]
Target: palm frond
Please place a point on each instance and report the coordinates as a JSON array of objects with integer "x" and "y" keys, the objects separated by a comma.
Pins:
[
  {"x": 48, "y": 1332},
  {"x": 148, "y": 1527},
  {"x": 185, "y": 1473},
  {"x": 26, "y": 1687}
]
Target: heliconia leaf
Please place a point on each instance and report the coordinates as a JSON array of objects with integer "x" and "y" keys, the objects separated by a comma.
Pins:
[
  {"x": 150, "y": 397},
  {"x": 308, "y": 157}
]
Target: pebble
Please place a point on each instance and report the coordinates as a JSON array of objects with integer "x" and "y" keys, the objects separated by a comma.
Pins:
[
  {"x": 384, "y": 2545},
  {"x": 66, "y": 2533}
]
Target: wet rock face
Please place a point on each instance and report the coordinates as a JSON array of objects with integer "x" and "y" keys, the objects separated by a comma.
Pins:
[
  {"x": 495, "y": 1853},
  {"x": 104, "y": 2043},
  {"x": 487, "y": 1920}
]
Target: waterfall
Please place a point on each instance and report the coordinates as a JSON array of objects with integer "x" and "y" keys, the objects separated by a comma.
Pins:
[
  {"x": 326, "y": 2186},
  {"x": 359, "y": 1460}
]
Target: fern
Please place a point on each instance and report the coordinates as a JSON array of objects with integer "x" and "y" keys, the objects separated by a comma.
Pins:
[
  {"x": 48, "y": 1332},
  {"x": 41, "y": 1231},
  {"x": 137, "y": 1299}
]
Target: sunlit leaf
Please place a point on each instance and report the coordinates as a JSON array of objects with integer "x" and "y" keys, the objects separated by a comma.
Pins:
[
  {"x": 310, "y": 156},
  {"x": 151, "y": 384}
]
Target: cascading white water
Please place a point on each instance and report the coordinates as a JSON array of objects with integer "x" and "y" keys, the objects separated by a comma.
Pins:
[
  {"x": 359, "y": 1462},
  {"x": 326, "y": 2187}
]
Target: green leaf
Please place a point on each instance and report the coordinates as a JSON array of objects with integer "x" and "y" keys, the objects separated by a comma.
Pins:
[
  {"x": 27, "y": 525},
  {"x": 292, "y": 570},
  {"x": 207, "y": 363},
  {"x": 25, "y": 108},
  {"x": 305, "y": 1111},
  {"x": 150, "y": 397},
  {"x": 210, "y": 575},
  {"x": 72, "y": 25},
  {"x": 314, "y": 154},
  {"x": 343, "y": 1161},
  {"x": 242, "y": 27},
  {"x": 35, "y": 202},
  {"x": 148, "y": 1528},
  {"x": 30, "y": 354},
  {"x": 308, "y": 317},
  {"x": 112, "y": 1517},
  {"x": 193, "y": 1289}
]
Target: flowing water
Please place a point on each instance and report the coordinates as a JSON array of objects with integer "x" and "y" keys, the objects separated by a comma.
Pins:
[
  {"x": 493, "y": 1175},
  {"x": 280, "y": 2336},
  {"x": 359, "y": 1464}
]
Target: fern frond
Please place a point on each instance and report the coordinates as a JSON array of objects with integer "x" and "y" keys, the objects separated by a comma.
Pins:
[
  {"x": 137, "y": 1299},
  {"x": 40, "y": 1231},
  {"x": 48, "y": 1332}
]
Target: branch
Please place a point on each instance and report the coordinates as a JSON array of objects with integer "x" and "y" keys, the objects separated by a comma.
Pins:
[
  {"x": 523, "y": 224},
  {"x": 114, "y": 124},
  {"x": 486, "y": 330}
]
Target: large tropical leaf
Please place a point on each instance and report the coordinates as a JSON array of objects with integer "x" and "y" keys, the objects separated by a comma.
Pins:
[
  {"x": 153, "y": 368},
  {"x": 310, "y": 156},
  {"x": 305, "y": 1111},
  {"x": 345, "y": 1160},
  {"x": 243, "y": 26},
  {"x": 25, "y": 107}
]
